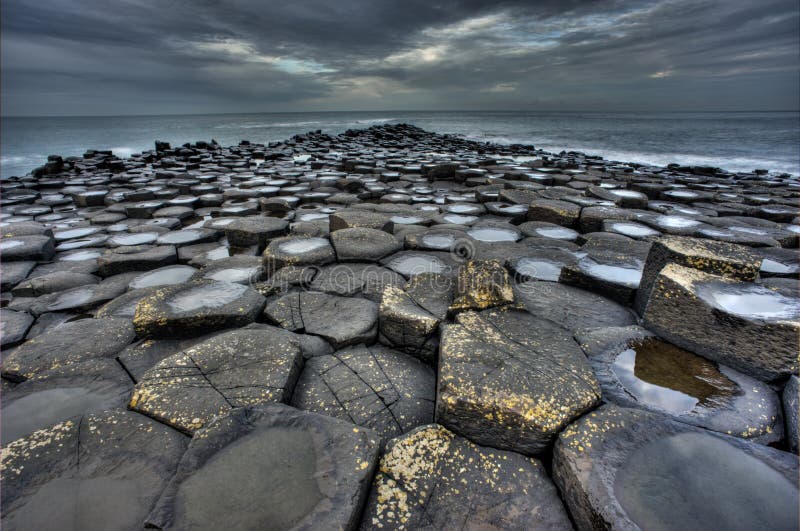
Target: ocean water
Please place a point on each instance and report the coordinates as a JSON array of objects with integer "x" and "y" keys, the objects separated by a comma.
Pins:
[{"x": 735, "y": 141}]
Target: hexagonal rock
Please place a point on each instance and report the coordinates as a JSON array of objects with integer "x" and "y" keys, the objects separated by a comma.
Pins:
[
  {"x": 510, "y": 380},
  {"x": 790, "y": 406},
  {"x": 136, "y": 258},
  {"x": 341, "y": 321},
  {"x": 196, "y": 308},
  {"x": 374, "y": 387},
  {"x": 744, "y": 325},
  {"x": 254, "y": 230},
  {"x": 409, "y": 318},
  {"x": 234, "y": 369},
  {"x": 14, "y": 273},
  {"x": 622, "y": 468},
  {"x": 33, "y": 247},
  {"x": 717, "y": 258},
  {"x": 285, "y": 469},
  {"x": 555, "y": 211},
  {"x": 611, "y": 274},
  {"x": 431, "y": 478},
  {"x": 636, "y": 369},
  {"x": 67, "y": 344},
  {"x": 572, "y": 308},
  {"x": 59, "y": 394},
  {"x": 52, "y": 282},
  {"x": 297, "y": 251},
  {"x": 13, "y": 326},
  {"x": 99, "y": 471},
  {"x": 480, "y": 285},
  {"x": 361, "y": 244},
  {"x": 346, "y": 219},
  {"x": 368, "y": 280}
]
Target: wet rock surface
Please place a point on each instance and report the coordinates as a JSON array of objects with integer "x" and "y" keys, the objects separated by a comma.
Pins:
[
  {"x": 429, "y": 475},
  {"x": 625, "y": 468},
  {"x": 369, "y": 267},
  {"x": 283, "y": 467}
]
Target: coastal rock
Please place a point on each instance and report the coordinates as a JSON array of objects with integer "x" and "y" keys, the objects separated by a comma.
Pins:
[
  {"x": 67, "y": 344},
  {"x": 374, "y": 387},
  {"x": 231, "y": 370},
  {"x": 790, "y": 407},
  {"x": 363, "y": 244},
  {"x": 636, "y": 369},
  {"x": 52, "y": 282},
  {"x": 341, "y": 321},
  {"x": 740, "y": 324},
  {"x": 622, "y": 468},
  {"x": 554, "y": 211},
  {"x": 13, "y": 326},
  {"x": 716, "y": 258},
  {"x": 303, "y": 471},
  {"x": 431, "y": 478},
  {"x": 480, "y": 285},
  {"x": 59, "y": 394},
  {"x": 26, "y": 248},
  {"x": 297, "y": 251},
  {"x": 196, "y": 308},
  {"x": 135, "y": 258},
  {"x": 510, "y": 380},
  {"x": 367, "y": 280},
  {"x": 97, "y": 471},
  {"x": 254, "y": 230},
  {"x": 571, "y": 307}
]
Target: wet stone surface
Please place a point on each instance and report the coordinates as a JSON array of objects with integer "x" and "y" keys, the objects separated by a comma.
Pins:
[{"x": 384, "y": 279}]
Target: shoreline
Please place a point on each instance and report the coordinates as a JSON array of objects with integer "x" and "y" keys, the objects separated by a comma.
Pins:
[{"x": 390, "y": 328}]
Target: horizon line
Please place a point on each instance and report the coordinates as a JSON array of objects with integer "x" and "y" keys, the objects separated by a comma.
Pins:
[{"x": 638, "y": 111}]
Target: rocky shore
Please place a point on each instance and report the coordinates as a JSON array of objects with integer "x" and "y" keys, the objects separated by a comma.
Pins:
[{"x": 396, "y": 329}]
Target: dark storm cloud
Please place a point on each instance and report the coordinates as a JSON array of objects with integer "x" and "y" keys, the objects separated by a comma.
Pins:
[{"x": 146, "y": 56}]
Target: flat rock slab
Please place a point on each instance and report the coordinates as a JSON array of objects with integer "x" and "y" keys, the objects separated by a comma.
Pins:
[
  {"x": 297, "y": 251},
  {"x": 341, "y": 321},
  {"x": 52, "y": 282},
  {"x": 571, "y": 307},
  {"x": 636, "y": 369},
  {"x": 66, "y": 344},
  {"x": 270, "y": 467},
  {"x": 717, "y": 258},
  {"x": 367, "y": 280},
  {"x": 136, "y": 258},
  {"x": 510, "y": 380},
  {"x": 231, "y": 370},
  {"x": 740, "y": 324},
  {"x": 431, "y": 478},
  {"x": 59, "y": 394},
  {"x": 622, "y": 468},
  {"x": 374, "y": 387},
  {"x": 13, "y": 326},
  {"x": 196, "y": 308},
  {"x": 254, "y": 230},
  {"x": 98, "y": 471},
  {"x": 361, "y": 244},
  {"x": 24, "y": 248}
]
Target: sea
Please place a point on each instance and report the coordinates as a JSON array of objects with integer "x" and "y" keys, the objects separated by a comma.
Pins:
[{"x": 733, "y": 141}]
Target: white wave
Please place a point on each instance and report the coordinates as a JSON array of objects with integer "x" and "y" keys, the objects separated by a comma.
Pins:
[
  {"x": 123, "y": 151},
  {"x": 21, "y": 159}
]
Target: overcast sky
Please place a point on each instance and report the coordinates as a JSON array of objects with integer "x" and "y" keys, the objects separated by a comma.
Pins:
[{"x": 110, "y": 57}]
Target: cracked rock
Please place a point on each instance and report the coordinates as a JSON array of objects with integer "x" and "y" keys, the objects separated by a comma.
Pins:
[
  {"x": 361, "y": 244},
  {"x": 99, "y": 471},
  {"x": 231, "y": 370},
  {"x": 510, "y": 380},
  {"x": 341, "y": 321},
  {"x": 285, "y": 469},
  {"x": 481, "y": 285},
  {"x": 374, "y": 387},
  {"x": 431, "y": 478}
]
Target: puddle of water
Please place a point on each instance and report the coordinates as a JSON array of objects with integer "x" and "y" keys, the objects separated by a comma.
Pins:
[
  {"x": 491, "y": 234},
  {"x": 750, "y": 301},
  {"x": 414, "y": 264},
  {"x": 438, "y": 241},
  {"x": 313, "y": 216},
  {"x": 628, "y": 193},
  {"x": 626, "y": 276},
  {"x": 80, "y": 255},
  {"x": 75, "y": 233},
  {"x": 457, "y": 219},
  {"x": 539, "y": 269},
  {"x": 778, "y": 268},
  {"x": 208, "y": 296},
  {"x": 633, "y": 230},
  {"x": 698, "y": 481},
  {"x": 670, "y": 378},
  {"x": 163, "y": 277},
  {"x": 45, "y": 408},
  {"x": 557, "y": 233},
  {"x": 464, "y": 209},
  {"x": 676, "y": 222},
  {"x": 265, "y": 480},
  {"x": 234, "y": 274},
  {"x": 406, "y": 220},
  {"x": 140, "y": 238},
  {"x": 179, "y": 236},
  {"x": 303, "y": 245}
]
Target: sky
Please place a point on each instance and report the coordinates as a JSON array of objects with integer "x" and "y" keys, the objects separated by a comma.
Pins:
[{"x": 115, "y": 57}]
